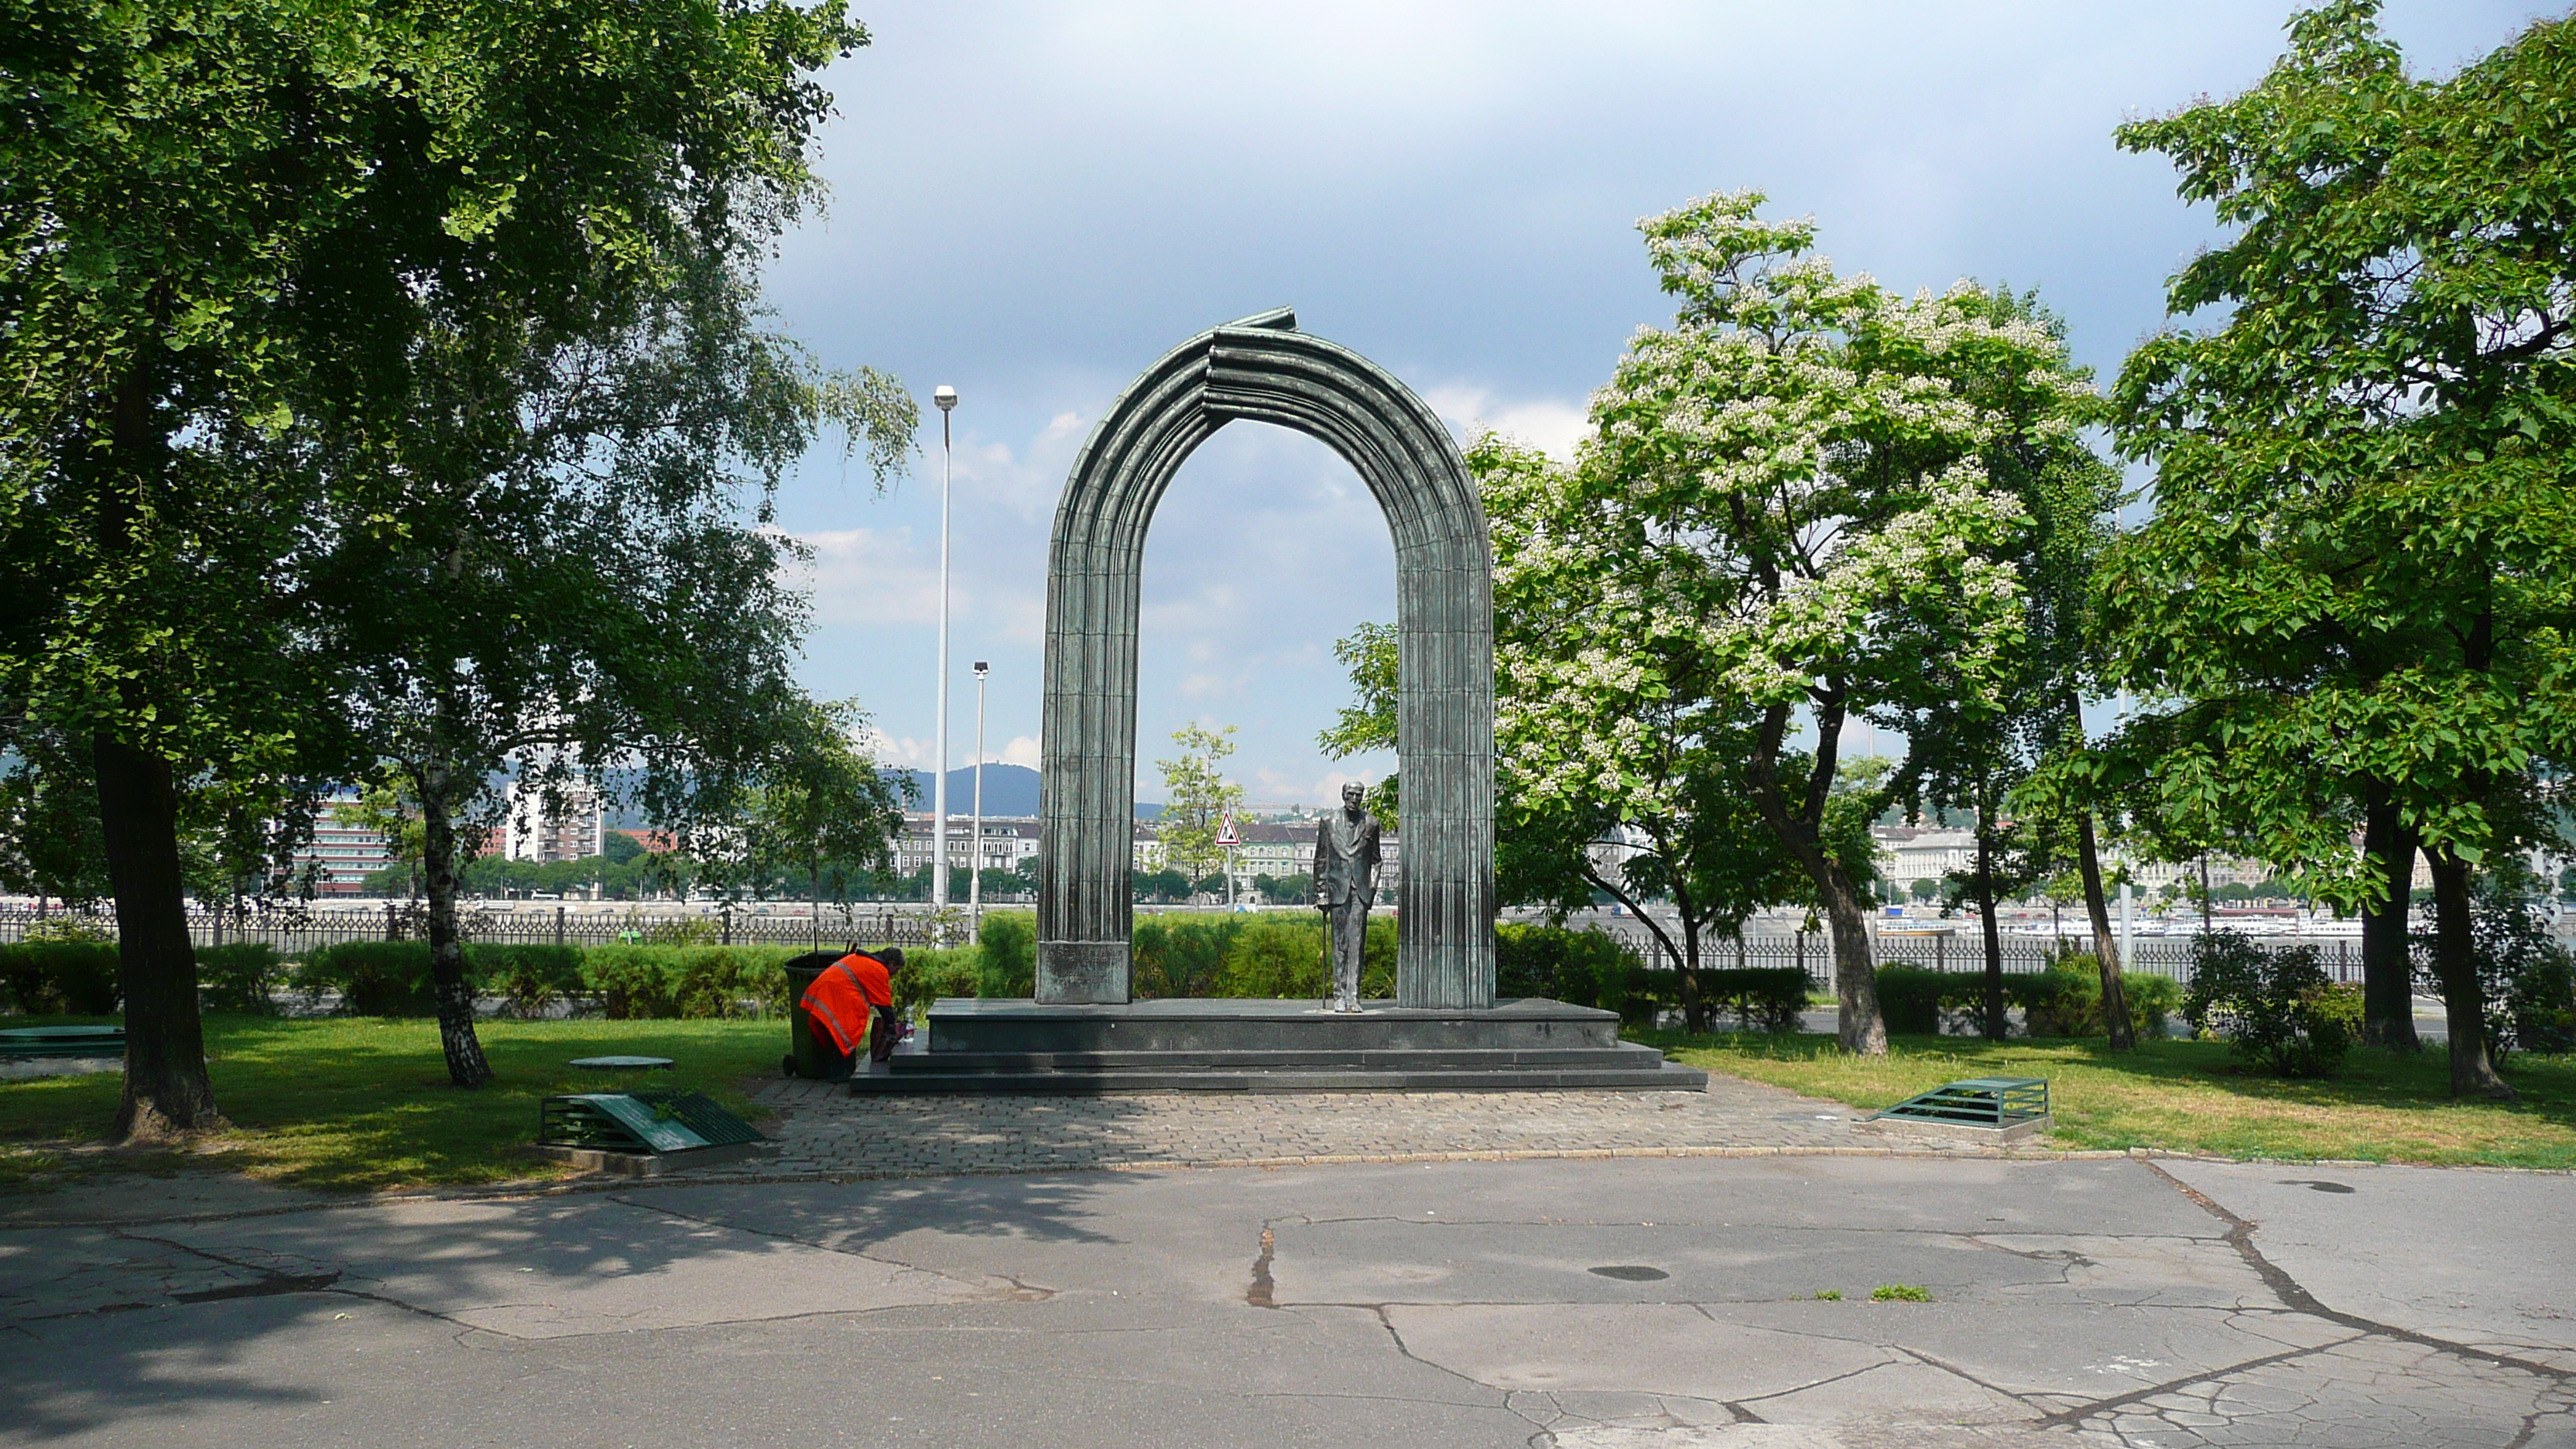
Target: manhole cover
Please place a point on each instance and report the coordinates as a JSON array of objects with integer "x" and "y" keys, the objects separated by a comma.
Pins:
[{"x": 1630, "y": 1272}]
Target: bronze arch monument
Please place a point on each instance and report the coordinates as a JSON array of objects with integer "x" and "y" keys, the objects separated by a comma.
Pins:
[{"x": 1262, "y": 368}]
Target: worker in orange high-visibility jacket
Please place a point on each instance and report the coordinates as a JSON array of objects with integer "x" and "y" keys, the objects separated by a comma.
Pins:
[{"x": 851, "y": 1003}]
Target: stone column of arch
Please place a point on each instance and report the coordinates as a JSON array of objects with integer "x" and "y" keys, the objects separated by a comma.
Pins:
[{"x": 1263, "y": 369}]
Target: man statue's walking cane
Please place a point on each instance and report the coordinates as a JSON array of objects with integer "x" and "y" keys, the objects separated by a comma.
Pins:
[{"x": 1346, "y": 855}]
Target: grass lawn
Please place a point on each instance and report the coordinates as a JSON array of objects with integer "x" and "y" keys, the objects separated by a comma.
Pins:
[
  {"x": 2190, "y": 1096},
  {"x": 356, "y": 1104}
]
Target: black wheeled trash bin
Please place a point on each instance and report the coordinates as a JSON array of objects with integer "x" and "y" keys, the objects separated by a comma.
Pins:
[{"x": 806, "y": 1057}]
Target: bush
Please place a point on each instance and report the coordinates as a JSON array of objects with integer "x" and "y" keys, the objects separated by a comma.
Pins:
[
  {"x": 1911, "y": 998},
  {"x": 64, "y": 972},
  {"x": 530, "y": 980},
  {"x": 2279, "y": 1008},
  {"x": 633, "y": 983},
  {"x": 2066, "y": 999},
  {"x": 1278, "y": 956},
  {"x": 238, "y": 977},
  {"x": 374, "y": 978},
  {"x": 1006, "y": 962},
  {"x": 1760, "y": 998},
  {"x": 1579, "y": 968},
  {"x": 1181, "y": 955},
  {"x": 929, "y": 973},
  {"x": 639, "y": 983}
]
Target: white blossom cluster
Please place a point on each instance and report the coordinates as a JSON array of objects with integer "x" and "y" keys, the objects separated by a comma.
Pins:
[{"x": 1782, "y": 498}]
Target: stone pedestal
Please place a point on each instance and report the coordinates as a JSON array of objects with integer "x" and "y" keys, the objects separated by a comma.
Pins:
[{"x": 1202, "y": 1045}]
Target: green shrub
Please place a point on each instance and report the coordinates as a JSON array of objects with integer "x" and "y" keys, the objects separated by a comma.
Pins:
[
  {"x": 929, "y": 973},
  {"x": 62, "y": 974},
  {"x": 1007, "y": 963},
  {"x": 638, "y": 983},
  {"x": 1579, "y": 968},
  {"x": 529, "y": 979},
  {"x": 1911, "y": 998},
  {"x": 633, "y": 983},
  {"x": 1277, "y": 956},
  {"x": 1760, "y": 998},
  {"x": 2066, "y": 999},
  {"x": 374, "y": 978},
  {"x": 1178, "y": 955},
  {"x": 238, "y": 977},
  {"x": 2279, "y": 1008}
]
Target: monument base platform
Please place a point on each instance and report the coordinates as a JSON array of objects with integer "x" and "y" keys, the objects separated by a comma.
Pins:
[{"x": 1202, "y": 1045}]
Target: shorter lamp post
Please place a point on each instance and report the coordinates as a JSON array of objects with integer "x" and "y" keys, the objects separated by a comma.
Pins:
[{"x": 975, "y": 846}]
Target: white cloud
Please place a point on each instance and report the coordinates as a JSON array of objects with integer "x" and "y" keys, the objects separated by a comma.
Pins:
[
  {"x": 1550, "y": 425},
  {"x": 903, "y": 752},
  {"x": 1022, "y": 750}
]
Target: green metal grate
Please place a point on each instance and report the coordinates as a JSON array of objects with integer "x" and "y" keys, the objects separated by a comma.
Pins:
[
  {"x": 1978, "y": 1102},
  {"x": 650, "y": 1121}
]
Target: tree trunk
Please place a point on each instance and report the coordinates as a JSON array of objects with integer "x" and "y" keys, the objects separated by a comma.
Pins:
[
  {"x": 166, "y": 1087},
  {"x": 1994, "y": 1001},
  {"x": 2387, "y": 965},
  {"x": 1694, "y": 1010},
  {"x": 1859, "y": 1027},
  {"x": 466, "y": 1066},
  {"x": 2106, "y": 946},
  {"x": 2455, "y": 960}
]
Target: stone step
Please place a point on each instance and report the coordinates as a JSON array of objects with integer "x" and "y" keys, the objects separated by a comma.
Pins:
[
  {"x": 951, "y": 1063},
  {"x": 1660, "y": 1076}
]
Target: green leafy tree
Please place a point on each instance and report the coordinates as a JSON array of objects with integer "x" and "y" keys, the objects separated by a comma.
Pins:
[
  {"x": 823, "y": 809},
  {"x": 1197, "y": 800},
  {"x": 2353, "y": 604},
  {"x": 547, "y": 465},
  {"x": 1370, "y": 652},
  {"x": 1786, "y": 489},
  {"x": 172, "y": 177}
]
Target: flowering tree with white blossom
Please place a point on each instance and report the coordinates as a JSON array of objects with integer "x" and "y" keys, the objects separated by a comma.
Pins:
[{"x": 1782, "y": 523}]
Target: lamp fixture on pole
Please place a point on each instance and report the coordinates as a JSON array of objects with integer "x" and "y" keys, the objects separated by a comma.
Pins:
[{"x": 946, "y": 397}]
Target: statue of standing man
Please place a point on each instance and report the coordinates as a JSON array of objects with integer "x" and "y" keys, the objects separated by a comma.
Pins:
[{"x": 1346, "y": 856}]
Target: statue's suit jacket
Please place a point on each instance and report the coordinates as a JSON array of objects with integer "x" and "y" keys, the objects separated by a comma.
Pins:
[{"x": 1346, "y": 859}]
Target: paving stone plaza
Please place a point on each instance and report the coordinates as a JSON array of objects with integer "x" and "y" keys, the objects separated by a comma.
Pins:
[
  {"x": 1559, "y": 1270},
  {"x": 824, "y": 1131}
]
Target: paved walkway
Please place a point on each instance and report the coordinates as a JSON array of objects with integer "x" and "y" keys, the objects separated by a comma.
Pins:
[
  {"x": 824, "y": 1131},
  {"x": 1646, "y": 1303}
]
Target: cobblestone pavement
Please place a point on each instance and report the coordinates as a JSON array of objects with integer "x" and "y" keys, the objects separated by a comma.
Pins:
[{"x": 824, "y": 1131}]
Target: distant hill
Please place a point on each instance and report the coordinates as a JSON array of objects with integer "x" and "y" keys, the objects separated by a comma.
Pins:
[{"x": 1008, "y": 790}]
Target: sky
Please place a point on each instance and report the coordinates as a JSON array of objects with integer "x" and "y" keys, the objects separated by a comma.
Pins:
[{"x": 1032, "y": 203}]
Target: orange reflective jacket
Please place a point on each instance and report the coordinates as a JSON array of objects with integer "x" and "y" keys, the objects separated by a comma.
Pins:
[{"x": 839, "y": 999}]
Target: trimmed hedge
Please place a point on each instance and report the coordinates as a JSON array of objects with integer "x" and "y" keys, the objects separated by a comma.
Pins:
[
  {"x": 1760, "y": 998},
  {"x": 1252, "y": 954},
  {"x": 61, "y": 978},
  {"x": 239, "y": 977},
  {"x": 1579, "y": 968},
  {"x": 2064, "y": 1000}
]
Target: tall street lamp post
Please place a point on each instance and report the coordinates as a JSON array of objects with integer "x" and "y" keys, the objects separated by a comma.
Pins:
[
  {"x": 975, "y": 847},
  {"x": 946, "y": 397}
]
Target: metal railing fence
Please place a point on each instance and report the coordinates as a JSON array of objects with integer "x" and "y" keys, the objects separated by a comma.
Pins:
[
  {"x": 1813, "y": 952},
  {"x": 296, "y": 933}
]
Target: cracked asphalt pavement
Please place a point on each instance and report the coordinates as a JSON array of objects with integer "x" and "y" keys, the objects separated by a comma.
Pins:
[{"x": 1611, "y": 1304}]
